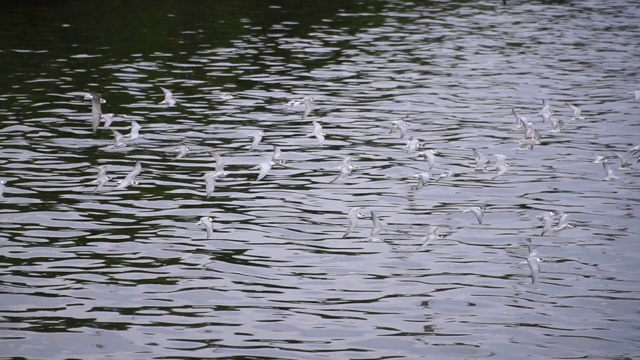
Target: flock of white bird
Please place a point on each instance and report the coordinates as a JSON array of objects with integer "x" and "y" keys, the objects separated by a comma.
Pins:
[{"x": 531, "y": 138}]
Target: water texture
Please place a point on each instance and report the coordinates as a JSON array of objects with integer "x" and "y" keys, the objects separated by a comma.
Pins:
[{"x": 127, "y": 274}]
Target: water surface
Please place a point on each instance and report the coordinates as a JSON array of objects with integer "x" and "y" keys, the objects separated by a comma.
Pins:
[{"x": 127, "y": 274}]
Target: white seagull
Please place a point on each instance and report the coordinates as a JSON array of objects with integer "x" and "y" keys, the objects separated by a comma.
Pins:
[
  {"x": 168, "y": 97},
  {"x": 354, "y": 215},
  {"x": 208, "y": 224},
  {"x": 477, "y": 211}
]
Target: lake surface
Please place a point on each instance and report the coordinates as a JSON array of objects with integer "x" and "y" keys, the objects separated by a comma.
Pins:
[{"x": 127, "y": 274}]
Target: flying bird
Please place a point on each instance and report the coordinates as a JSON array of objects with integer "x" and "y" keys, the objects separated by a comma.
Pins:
[
  {"x": 182, "y": 151},
  {"x": 577, "y": 113},
  {"x": 423, "y": 179},
  {"x": 130, "y": 178},
  {"x": 400, "y": 125},
  {"x": 563, "y": 222},
  {"x": 96, "y": 109},
  {"x": 265, "y": 167},
  {"x": 377, "y": 228},
  {"x": 430, "y": 156},
  {"x": 210, "y": 183},
  {"x": 118, "y": 138},
  {"x": 625, "y": 160},
  {"x": 168, "y": 97},
  {"x": 307, "y": 106},
  {"x": 557, "y": 125},
  {"x": 547, "y": 220},
  {"x": 277, "y": 154},
  {"x": 432, "y": 234},
  {"x": 134, "y": 133},
  {"x": 354, "y": 215},
  {"x": 477, "y": 211},
  {"x": 208, "y": 224},
  {"x": 219, "y": 172},
  {"x": 317, "y": 132},
  {"x": 101, "y": 179},
  {"x": 534, "y": 264},
  {"x": 521, "y": 121},
  {"x": 345, "y": 170},
  {"x": 545, "y": 113},
  {"x": 108, "y": 119},
  {"x": 501, "y": 164},
  {"x": 611, "y": 176},
  {"x": 444, "y": 175},
  {"x": 481, "y": 160},
  {"x": 412, "y": 145},
  {"x": 257, "y": 138}
]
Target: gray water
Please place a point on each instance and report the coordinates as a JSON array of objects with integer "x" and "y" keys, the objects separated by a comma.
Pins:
[{"x": 127, "y": 274}]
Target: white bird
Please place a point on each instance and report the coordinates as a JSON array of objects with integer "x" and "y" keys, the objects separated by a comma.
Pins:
[
  {"x": 257, "y": 138},
  {"x": 210, "y": 183},
  {"x": 545, "y": 113},
  {"x": 317, "y": 132},
  {"x": 400, "y": 125},
  {"x": 307, "y": 106},
  {"x": 444, "y": 175},
  {"x": 546, "y": 218},
  {"x": 135, "y": 130},
  {"x": 219, "y": 172},
  {"x": 557, "y": 125},
  {"x": 168, "y": 97},
  {"x": 598, "y": 159},
  {"x": 432, "y": 234},
  {"x": 182, "y": 151},
  {"x": 377, "y": 228},
  {"x": 563, "y": 222},
  {"x": 96, "y": 110},
  {"x": 265, "y": 167},
  {"x": 119, "y": 139},
  {"x": 423, "y": 179},
  {"x": 481, "y": 160},
  {"x": 208, "y": 224},
  {"x": 354, "y": 215},
  {"x": 277, "y": 153},
  {"x": 636, "y": 95},
  {"x": 501, "y": 164},
  {"x": 412, "y": 145},
  {"x": 102, "y": 170},
  {"x": 108, "y": 119},
  {"x": 429, "y": 155},
  {"x": 625, "y": 161},
  {"x": 531, "y": 133},
  {"x": 345, "y": 170},
  {"x": 534, "y": 265},
  {"x": 611, "y": 176},
  {"x": 101, "y": 179},
  {"x": 521, "y": 121},
  {"x": 577, "y": 113},
  {"x": 477, "y": 211},
  {"x": 130, "y": 178},
  {"x": 527, "y": 144}
]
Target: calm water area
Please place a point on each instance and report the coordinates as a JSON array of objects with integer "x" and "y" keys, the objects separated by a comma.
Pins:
[{"x": 128, "y": 273}]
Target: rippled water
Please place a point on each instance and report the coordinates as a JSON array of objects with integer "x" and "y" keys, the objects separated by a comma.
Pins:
[{"x": 129, "y": 275}]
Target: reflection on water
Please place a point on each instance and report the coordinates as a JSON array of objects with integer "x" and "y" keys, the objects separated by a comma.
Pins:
[{"x": 127, "y": 272}]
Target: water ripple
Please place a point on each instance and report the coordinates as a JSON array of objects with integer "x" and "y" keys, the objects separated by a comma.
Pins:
[{"x": 127, "y": 273}]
